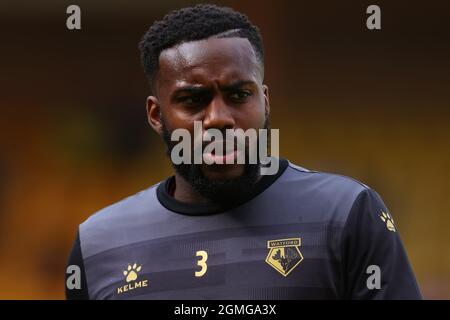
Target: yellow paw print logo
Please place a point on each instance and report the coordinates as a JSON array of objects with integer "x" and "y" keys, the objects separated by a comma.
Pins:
[
  {"x": 387, "y": 219},
  {"x": 131, "y": 272}
]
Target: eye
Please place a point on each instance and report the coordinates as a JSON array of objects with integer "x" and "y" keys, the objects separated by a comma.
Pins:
[
  {"x": 240, "y": 95},
  {"x": 193, "y": 99}
]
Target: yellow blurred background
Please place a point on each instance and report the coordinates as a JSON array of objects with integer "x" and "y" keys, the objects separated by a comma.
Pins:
[{"x": 373, "y": 105}]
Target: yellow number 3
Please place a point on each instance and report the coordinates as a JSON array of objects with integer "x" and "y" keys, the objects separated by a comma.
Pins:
[{"x": 201, "y": 263}]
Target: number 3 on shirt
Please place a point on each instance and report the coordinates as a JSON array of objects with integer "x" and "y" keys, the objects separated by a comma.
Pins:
[{"x": 201, "y": 263}]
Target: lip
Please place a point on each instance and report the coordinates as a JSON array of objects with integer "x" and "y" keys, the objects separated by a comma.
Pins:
[{"x": 229, "y": 158}]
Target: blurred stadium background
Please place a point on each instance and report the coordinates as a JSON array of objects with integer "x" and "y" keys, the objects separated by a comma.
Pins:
[{"x": 74, "y": 137}]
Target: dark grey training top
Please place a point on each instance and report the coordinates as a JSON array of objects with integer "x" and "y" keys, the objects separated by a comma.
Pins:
[{"x": 299, "y": 234}]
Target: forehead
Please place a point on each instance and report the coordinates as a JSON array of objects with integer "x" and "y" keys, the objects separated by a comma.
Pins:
[{"x": 210, "y": 60}]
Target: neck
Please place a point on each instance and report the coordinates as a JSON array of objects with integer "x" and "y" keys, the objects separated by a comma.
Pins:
[{"x": 184, "y": 192}]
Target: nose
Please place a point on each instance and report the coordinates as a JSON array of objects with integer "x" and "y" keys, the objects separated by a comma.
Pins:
[{"x": 218, "y": 115}]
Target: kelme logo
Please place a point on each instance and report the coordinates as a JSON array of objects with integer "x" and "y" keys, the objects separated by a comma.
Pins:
[{"x": 131, "y": 277}]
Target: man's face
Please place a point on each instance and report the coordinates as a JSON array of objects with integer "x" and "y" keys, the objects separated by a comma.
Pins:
[{"x": 217, "y": 81}]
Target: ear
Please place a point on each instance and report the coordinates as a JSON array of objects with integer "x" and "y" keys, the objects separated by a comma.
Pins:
[
  {"x": 154, "y": 114},
  {"x": 266, "y": 99}
]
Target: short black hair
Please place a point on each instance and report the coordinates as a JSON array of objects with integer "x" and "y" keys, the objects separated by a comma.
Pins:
[{"x": 195, "y": 23}]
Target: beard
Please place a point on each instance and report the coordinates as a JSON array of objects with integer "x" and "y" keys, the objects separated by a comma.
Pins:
[{"x": 217, "y": 190}]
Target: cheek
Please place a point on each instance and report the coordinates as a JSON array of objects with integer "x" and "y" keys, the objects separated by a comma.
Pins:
[
  {"x": 253, "y": 116},
  {"x": 178, "y": 119}
]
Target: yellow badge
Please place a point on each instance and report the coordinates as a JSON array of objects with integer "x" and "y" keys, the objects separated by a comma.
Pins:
[{"x": 284, "y": 254}]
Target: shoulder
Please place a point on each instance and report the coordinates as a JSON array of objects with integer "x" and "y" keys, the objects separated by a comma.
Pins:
[
  {"x": 328, "y": 181},
  {"x": 330, "y": 196},
  {"x": 116, "y": 224},
  {"x": 123, "y": 209}
]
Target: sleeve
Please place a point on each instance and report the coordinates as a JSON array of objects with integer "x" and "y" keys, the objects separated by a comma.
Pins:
[
  {"x": 375, "y": 264},
  {"x": 76, "y": 259}
]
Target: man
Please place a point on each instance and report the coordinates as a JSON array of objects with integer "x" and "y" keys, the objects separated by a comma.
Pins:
[{"x": 225, "y": 231}]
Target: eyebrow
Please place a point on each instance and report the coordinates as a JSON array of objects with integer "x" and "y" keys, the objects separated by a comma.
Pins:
[
  {"x": 237, "y": 84},
  {"x": 190, "y": 90},
  {"x": 195, "y": 89}
]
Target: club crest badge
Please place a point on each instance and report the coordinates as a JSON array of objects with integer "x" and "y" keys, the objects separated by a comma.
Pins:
[{"x": 284, "y": 254}]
